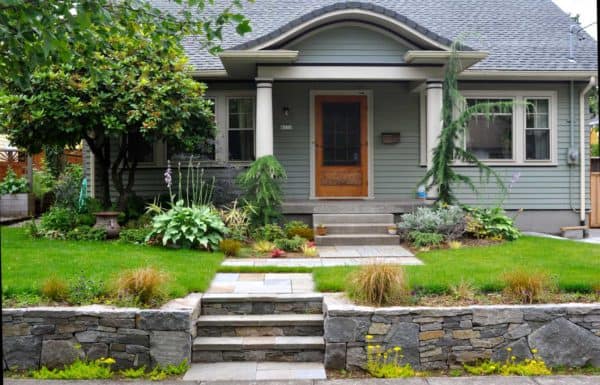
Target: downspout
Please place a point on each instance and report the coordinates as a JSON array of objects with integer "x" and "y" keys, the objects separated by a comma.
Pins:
[{"x": 582, "y": 157}]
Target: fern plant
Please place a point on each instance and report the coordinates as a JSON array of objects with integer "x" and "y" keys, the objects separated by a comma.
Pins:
[
  {"x": 449, "y": 149},
  {"x": 261, "y": 185}
]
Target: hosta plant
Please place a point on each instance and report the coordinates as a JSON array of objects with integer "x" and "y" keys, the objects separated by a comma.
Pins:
[{"x": 196, "y": 226}]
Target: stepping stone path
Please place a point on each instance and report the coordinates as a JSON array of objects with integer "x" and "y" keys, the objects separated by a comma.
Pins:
[{"x": 259, "y": 327}]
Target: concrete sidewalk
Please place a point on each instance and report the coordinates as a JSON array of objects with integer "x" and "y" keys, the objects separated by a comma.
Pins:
[{"x": 492, "y": 380}]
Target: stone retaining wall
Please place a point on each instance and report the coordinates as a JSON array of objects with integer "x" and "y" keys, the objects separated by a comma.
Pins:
[
  {"x": 54, "y": 336},
  {"x": 442, "y": 338}
]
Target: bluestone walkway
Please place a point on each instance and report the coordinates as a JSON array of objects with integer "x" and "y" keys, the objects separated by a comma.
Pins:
[
  {"x": 492, "y": 380},
  {"x": 259, "y": 283}
]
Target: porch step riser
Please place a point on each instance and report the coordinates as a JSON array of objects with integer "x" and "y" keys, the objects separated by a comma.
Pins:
[
  {"x": 260, "y": 331},
  {"x": 352, "y": 218},
  {"x": 373, "y": 240},
  {"x": 271, "y": 355},
  {"x": 247, "y": 307},
  {"x": 375, "y": 228}
]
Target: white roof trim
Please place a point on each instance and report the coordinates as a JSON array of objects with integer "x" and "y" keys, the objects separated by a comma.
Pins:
[
  {"x": 356, "y": 14},
  {"x": 526, "y": 75}
]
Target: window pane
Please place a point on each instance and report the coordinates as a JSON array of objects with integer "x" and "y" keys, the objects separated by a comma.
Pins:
[
  {"x": 490, "y": 138},
  {"x": 203, "y": 151},
  {"x": 241, "y": 113},
  {"x": 140, "y": 149},
  {"x": 537, "y": 144},
  {"x": 341, "y": 134},
  {"x": 537, "y": 113},
  {"x": 241, "y": 145}
]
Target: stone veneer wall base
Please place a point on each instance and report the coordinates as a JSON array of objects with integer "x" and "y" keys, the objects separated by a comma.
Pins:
[
  {"x": 55, "y": 336},
  {"x": 445, "y": 338}
]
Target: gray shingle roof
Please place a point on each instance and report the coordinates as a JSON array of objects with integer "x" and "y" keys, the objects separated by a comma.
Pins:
[{"x": 518, "y": 34}]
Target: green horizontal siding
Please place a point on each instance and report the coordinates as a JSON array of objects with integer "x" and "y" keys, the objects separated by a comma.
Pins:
[{"x": 349, "y": 44}]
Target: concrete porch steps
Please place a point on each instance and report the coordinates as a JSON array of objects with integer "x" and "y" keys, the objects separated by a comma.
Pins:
[
  {"x": 357, "y": 240},
  {"x": 355, "y": 230}
]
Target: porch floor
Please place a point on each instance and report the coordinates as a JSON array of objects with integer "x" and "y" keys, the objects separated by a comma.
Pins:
[{"x": 351, "y": 206}]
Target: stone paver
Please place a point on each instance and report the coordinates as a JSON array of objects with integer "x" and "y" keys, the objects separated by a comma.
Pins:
[
  {"x": 319, "y": 262},
  {"x": 568, "y": 380},
  {"x": 492, "y": 380},
  {"x": 371, "y": 251},
  {"x": 269, "y": 283},
  {"x": 248, "y": 371}
]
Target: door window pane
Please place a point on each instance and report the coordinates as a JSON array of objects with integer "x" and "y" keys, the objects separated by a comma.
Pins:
[
  {"x": 490, "y": 137},
  {"x": 341, "y": 134}
]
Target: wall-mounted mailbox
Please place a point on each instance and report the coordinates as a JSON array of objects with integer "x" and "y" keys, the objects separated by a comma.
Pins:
[{"x": 390, "y": 137}]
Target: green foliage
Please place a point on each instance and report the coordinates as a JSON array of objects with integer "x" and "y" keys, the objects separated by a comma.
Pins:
[
  {"x": 237, "y": 220},
  {"x": 40, "y": 33},
  {"x": 446, "y": 220},
  {"x": 421, "y": 239},
  {"x": 67, "y": 187},
  {"x": 511, "y": 367},
  {"x": 269, "y": 232},
  {"x": 133, "y": 373},
  {"x": 261, "y": 186},
  {"x": 86, "y": 233},
  {"x": 85, "y": 290},
  {"x": 302, "y": 232},
  {"x": 292, "y": 225},
  {"x": 134, "y": 235},
  {"x": 11, "y": 184},
  {"x": 386, "y": 363},
  {"x": 290, "y": 244},
  {"x": 43, "y": 181},
  {"x": 58, "y": 219},
  {"x": 491, "y": 223},
  {"x": 230, "y": 247},
  {"x": 442, "y": 174},
  {"x": 78, "y": 370},
  {"x": 188, "y": 227},
  {"x": 263, "y": 247}
]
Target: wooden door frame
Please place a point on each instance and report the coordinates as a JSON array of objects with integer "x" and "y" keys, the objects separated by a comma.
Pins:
[{"x": 311, "y": 144}]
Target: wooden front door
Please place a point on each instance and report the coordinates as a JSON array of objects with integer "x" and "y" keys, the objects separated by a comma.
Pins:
[{"x": 341, "y": 149}]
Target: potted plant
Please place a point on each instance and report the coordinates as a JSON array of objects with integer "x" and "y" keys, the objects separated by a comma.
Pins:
[
  {"x": 321, "y": 229},
  {"x": 392, "y": 230},
  {"x": 15, "y": 199}
]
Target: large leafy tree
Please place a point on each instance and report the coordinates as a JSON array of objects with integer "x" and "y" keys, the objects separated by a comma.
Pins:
[
  {"x": 134, "y": 86},
  {"x": 44, "y": 32},
  {"x": 443, "y": 175}
]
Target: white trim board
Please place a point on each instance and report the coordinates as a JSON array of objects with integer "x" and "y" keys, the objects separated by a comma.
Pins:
[
  {"x": 311, "y": 141},
  {"x": 345, "y": 72}
]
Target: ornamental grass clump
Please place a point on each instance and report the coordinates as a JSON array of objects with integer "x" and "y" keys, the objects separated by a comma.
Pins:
[
  {"x": 55, "y": 289},
  {"x": 230, "y": 247},
  {"x": 143, "y": 285},
  {"x": 379, "y": 285},
  {"x": 527, "y": 286}
]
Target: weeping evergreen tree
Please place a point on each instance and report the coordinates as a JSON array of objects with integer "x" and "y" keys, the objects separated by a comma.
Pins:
[{"x": 449, "y": 149}]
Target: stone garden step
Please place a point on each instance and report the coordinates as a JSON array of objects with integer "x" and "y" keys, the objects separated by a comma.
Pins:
[
  {"x": 283, "y": 348},
  {"x": 357, "y": 240},
  {"x": 260, "y": 325},
  {"x": 352, "y": 218},
  {"x": 357, "y": 228},
  {"x": 232, "y": 304}
]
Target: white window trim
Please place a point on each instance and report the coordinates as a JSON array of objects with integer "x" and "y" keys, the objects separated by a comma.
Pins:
[{"x": 519, "y": 124}]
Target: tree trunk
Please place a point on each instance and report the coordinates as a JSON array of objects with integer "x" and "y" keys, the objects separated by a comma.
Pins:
[{"x": 121, "y": 164}]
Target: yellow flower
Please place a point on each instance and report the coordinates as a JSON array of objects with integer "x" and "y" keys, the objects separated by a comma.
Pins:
[
  {"x": 370, "y": 347},
  {"x": 509, "y": 349},
  {"x": 369, "y": 337},
  {"x": 108, "y": 360},
  {"x": 513, "y": 358},
  {"x": 534, "y": 351},
  {"x": 397, "y": 348},
  {"x": 377, "y": 346}
]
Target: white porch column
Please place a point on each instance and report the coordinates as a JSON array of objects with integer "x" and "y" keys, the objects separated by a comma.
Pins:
[
  {"x": 264, "y": 117},
  {"x": 434, "y": 117}
]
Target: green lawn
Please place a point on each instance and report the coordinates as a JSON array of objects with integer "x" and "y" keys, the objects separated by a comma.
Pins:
[
  {"x": 575, "y": 266},
  {"x": 27, "y": 262}
]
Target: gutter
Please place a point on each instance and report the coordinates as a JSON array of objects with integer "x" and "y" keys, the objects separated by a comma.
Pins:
[{"x": 582, "y": 157}]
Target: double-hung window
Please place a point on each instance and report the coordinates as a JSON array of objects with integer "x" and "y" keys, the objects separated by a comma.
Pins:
[
  {"x": 525, "y": 134},
  {"x": 240, "y": 128}
]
